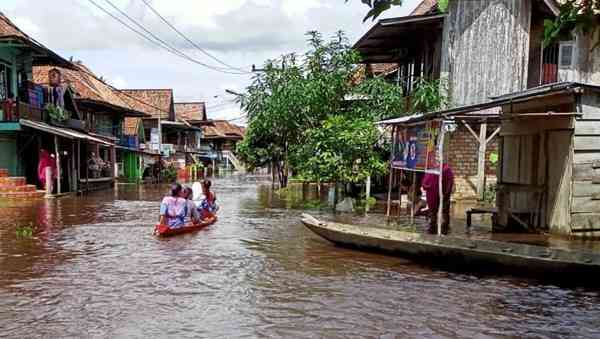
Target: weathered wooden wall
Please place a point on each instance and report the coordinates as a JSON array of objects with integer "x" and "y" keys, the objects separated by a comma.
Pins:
[
  {"x": 485, "y": 49},
  {"x": 585, "y": 205}
]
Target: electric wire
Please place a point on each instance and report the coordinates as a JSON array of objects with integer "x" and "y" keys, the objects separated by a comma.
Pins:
[
  {"x": 170, "y": 50},
  {"x": 186, "y": 38}
]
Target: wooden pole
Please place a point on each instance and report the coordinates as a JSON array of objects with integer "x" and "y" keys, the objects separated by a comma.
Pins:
[
  {"x": 389, "y": 199},
  {"x": 74, "y": 172},
  {"x": 58, "y": 174},
  {"x": 413, "y": 198},
  {"x": 481, "y": 161},
  {"x": 48, "y": 175},
  {"x": 440, "y": 180},
  {"x": 399, "y": 180},
  {"x": 70, "y": 173},
  {"x": 368, "y": 193}
]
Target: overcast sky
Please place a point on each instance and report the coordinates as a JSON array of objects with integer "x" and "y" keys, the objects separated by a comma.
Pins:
[{"x": 239, "y": 32}]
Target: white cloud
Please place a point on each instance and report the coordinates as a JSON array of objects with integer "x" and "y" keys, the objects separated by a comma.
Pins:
[{"x": 240, "y": 32}]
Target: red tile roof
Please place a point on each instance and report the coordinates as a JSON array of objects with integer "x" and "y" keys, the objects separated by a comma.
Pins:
[
  {"x": 8, "y": 29},
  {"x": 85, "y": 83},
  {"x": 425, "y": 7},
  {"x": 223, "y": 129},
  {"x": 155, "y": 102},
  {"x": 194, "y": 111}
]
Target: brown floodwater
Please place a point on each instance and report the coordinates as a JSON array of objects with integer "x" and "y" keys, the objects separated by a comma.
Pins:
[{"x": 94, "y": 269}]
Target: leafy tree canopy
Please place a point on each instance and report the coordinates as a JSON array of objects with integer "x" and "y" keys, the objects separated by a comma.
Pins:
[
  {"x": 303, "y": 111},
  {"x": 574, "y": 15}
]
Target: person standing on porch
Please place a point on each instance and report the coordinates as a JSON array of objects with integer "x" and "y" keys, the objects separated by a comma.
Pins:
[{"x": 432, "y": 193}]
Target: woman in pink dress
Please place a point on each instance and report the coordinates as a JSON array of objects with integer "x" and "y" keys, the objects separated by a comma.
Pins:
[
  {"x": 432, "y": 192},
  {"x": 46, "y": 161}
]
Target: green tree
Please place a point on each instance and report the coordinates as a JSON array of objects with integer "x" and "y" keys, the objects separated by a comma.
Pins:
[
  {"x": 292, "y": 105},
  {"x": 583, "y": 15},
  {"x": 380, "y": 6},
  {"x": 340, "y": 150}
]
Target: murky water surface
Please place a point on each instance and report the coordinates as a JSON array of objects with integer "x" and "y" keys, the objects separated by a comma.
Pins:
[{"x": 94, "y": 269}]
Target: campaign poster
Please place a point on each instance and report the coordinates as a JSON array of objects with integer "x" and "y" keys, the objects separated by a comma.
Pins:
[{"x": 415, "y": 148}]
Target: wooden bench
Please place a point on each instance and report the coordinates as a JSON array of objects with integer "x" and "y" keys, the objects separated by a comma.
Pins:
[
  {"x": 516, "y": 214},
  {"x": 480, "y": 210}
]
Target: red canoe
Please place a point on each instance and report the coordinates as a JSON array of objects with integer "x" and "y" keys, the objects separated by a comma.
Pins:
[{"x": 166, "y": 231}]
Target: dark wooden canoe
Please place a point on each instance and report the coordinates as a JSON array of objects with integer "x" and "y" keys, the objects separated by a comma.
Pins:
[
  {"x": 166, "y": 231},
  {"x": 465, "y": 253}
]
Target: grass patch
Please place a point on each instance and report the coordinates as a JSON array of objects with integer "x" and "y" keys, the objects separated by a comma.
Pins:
[{"x": 24, "y": 232}]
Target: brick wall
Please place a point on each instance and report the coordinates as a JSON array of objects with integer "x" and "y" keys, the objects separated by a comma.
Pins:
[{"x": 462, "y": 149}]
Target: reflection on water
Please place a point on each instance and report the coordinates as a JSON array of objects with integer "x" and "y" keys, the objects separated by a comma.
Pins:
[{"x": 94, "y": 269}]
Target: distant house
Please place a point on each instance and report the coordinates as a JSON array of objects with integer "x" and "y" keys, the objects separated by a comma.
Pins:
[
  {"x": 100, "y": 112},
  {"x": 178, "y": 138},
  {"x": 223, "y": 136}
]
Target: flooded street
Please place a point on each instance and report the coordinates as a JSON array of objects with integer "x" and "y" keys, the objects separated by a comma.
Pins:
[{"x": 94, "y": 269}]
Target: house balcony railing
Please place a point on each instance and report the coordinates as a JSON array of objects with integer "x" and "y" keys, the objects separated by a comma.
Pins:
[
  {"x": 12, "y": 111},
  {"x": 129, "y": 141}
]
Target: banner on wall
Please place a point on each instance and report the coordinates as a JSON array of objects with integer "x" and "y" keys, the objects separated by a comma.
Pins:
[{"x": 415, "y": 148}]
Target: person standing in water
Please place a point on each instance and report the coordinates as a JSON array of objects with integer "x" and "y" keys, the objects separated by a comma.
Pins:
[{"x": 432, "y": 193}]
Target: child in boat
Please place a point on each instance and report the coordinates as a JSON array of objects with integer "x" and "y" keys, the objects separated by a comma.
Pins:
[
  {"x": 193, "y": 214},
  {"x": 174, "y": 209},
  {"x": 207, "y": 203}
]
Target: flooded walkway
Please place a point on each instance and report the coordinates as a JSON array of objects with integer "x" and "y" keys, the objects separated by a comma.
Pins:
[{"x": 94, "y": 269}]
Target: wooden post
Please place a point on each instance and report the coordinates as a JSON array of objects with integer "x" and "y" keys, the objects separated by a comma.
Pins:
[
  {"x": 441, "y": 181},
  {"x": 501, "y": 197},
  {"x": 399, "y": 180},
  {"x": 367, "y": 193},
  {"x": 69, "y": 173},
  {"x": 74, "y": 179},
  {"x": 48, "y": 175},
  {"x": 113, "y": 159},
  {"x": 389, "y": 200},
  {"x": 58, "y": 174},
  {"x": 413, "y": 198},
  {"x": 391, "y": 181},
  {"x": 481, "y": 160}
]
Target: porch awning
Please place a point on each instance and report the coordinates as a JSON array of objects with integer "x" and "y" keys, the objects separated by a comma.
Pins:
[
  {"x": 62, "y": 132},
  {"x": 391, "y": 39}
]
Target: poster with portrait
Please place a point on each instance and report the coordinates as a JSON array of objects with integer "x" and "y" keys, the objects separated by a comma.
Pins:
[{"x": 415, "y": 148}]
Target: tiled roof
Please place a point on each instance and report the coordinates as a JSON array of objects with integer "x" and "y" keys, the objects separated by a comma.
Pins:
[
  {"x": 190, "y": 111},
  {"x": 87, "y": 85},
  {"x": 223, "y": 129},
  {"x": 425, "y": 7},
  {"x": 8, "y": 29},
  {"x": 156, "y": 102}
]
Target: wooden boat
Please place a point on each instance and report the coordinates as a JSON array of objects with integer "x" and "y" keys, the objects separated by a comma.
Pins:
[
  {"x": 165, "y": 231},
  {"x": 464, "y": 253}
]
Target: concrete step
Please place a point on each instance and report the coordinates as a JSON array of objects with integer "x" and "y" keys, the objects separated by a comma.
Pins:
[
  {"x": 3, "y": 173},
  {"x": 22, "y": 195},
  {"x": 13, "y": 181},
  {"x": 9, "y": 188}
]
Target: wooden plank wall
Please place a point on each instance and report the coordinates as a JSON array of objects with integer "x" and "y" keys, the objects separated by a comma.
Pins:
[
  {"x": 485, "y": 49},
  {"x": 585, "y": 205},
  {"x": 538, "y": 151}
]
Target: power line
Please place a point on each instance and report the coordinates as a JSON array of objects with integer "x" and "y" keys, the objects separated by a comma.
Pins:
[
  {"x": 190, "y": 40},
  {"x": 167, "y": 47}
]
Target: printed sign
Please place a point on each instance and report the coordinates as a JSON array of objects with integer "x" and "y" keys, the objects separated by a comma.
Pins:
[{"x": 415, "y": 148}]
